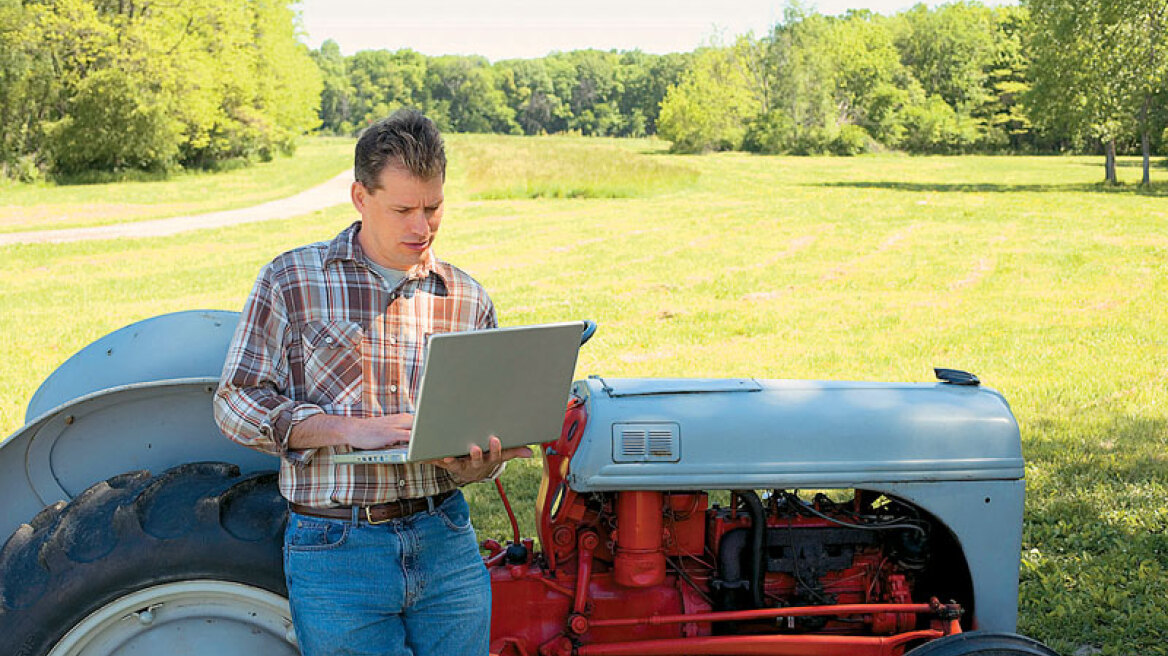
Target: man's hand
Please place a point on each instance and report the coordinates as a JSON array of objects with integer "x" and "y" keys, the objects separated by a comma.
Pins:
[
  {"x": 382, "y": 432},
  {"x": 477, "y": 465}
]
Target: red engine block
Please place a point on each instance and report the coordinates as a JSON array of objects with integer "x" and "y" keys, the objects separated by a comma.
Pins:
[{"x": 646, "y": 572}]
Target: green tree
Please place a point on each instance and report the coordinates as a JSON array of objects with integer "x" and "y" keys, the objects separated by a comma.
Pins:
[
  {"x": 595, "y": 85},
  {"x": 113, "y": 106},
  {"x": 112, "y": 85},
  {"x": 1008, "y": 82},
  {"x": 288, "y": 83},
  {"x": 114, "y": 123},
  {"x": 463, "y": 88},
  {"x": 1145, "y": 23},
  {"x": 710, "y": 108},
  {"x": 336, "y": 95},
  {"x": 873, "y": 89},
  {"x": 1082, "y": 89},
  {"x": 381, "y": 81},
  {"x": 644, "y": 80},
  {"x": 935, "y": 127},
  {"x": 804, "y": 66},
  {"x": 813, "y": 76},
  {"x": 529, "y": 90},
  {"x": 29, "y": 91},
  {"x": 949, "y": 50},
  {"x": 971, "y": 57}
]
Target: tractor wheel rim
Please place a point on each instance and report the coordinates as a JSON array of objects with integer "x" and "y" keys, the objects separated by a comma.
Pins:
[{"x": 194, "y": 617}]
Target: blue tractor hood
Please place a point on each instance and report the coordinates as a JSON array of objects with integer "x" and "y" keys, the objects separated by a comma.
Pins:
[{"x": 695, "y": 434}]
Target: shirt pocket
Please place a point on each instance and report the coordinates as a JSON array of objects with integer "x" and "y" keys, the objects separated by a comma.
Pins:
[{"x": 333, "y": 362}]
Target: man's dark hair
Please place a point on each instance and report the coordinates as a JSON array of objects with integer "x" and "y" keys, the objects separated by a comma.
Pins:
[{"x": 406, "y": 139}]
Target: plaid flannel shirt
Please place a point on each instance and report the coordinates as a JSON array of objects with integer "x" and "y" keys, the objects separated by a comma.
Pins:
[{"x": 321, "y": 332}]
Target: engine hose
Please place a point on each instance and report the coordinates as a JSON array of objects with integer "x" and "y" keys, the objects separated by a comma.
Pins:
[
  {"x": 510, "y": 513},
  {"x": 757, "y": 539}
]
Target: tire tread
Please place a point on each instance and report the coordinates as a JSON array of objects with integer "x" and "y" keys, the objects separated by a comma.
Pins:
[{"x": 132, "y": 531}]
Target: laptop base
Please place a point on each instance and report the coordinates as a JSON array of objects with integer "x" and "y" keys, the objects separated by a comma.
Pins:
[{"x": 385, "y": 457}]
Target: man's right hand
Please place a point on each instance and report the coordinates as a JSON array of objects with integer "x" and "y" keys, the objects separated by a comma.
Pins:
[
  {"x": 357, "y": 432},
  {"x": 381, "y": 432}
]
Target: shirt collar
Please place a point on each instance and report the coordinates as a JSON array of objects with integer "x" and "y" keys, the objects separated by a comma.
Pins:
[{"x": 346, "y": 247}]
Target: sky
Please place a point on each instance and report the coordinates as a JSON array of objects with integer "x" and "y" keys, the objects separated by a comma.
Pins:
[{"x": 506, "y": 29}]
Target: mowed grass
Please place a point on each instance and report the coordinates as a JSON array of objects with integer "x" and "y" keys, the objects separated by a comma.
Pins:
[
  {"x": 46, "y": 206},
  {"x": 1053, "y": 290}
]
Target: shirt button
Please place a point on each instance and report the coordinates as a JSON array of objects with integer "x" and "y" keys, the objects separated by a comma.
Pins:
[
  {"x": 392, "y": 339},
  {"x": 328, "y": 340},
  {"x": 393, "y": 388},
  {"x": 401, "y": 483}
]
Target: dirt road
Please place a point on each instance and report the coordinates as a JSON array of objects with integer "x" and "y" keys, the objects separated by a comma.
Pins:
[{"x": 333, "y": 192}]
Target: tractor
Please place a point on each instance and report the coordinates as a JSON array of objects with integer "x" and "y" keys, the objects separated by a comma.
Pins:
[{"x": 674, "y": 516}]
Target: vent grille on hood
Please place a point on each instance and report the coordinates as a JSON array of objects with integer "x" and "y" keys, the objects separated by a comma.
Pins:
[{"x": 635, "y": 442}]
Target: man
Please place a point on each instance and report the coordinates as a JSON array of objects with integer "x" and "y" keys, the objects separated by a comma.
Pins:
[{"x": 379, "y": 559}]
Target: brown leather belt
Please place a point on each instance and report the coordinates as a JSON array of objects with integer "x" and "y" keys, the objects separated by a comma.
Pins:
[{"x": 378, "y": 514}]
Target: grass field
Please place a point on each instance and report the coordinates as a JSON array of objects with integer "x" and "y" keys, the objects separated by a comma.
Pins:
[
  {"x": 1052, "y": 289},
  {"x": 483, "y": 167},
  {"x": 45, "y": 206}
]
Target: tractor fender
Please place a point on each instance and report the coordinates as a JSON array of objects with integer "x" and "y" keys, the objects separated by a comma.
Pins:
[{"x": 138, "y": 398}]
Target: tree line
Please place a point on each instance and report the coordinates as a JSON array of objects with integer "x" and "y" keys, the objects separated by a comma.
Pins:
[
  {"x": 947, "y": 80},
  {"x": 1047, "y": 76},
  {"x": 588, "y": 92},
  {"x": 137, "y": 84}
]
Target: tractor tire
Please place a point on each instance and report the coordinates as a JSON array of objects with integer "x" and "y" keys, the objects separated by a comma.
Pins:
[
  {"x": 983, "y": 643},
  {"x": 188, "y": 562}
]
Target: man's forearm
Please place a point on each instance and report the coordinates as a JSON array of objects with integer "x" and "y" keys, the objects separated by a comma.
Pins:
[
  {"x": 257, "y": 416},
  {"x": 380, "y": 432},
  {"x": 358, "y": 432},
  {"x": 320, "y": 430}
]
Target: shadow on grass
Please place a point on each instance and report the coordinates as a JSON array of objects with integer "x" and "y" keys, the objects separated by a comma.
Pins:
[
  {"x": 1127, "y": 190},
  {"x": 1086, "y": 506},
  {"x": 1127, "y": 448},
  {"x": 1156, "y": 162},
  {"x": 109, "y": 177},
  {"x": 96, "y": 177},
  {"x": 1120, "y": 453}
]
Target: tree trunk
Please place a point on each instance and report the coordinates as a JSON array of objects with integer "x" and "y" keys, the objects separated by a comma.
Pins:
[
  {"x": 1146, "y": 143},
  {"x": 1109, "y": 165},
  {"x": 1147, "y": 147}
]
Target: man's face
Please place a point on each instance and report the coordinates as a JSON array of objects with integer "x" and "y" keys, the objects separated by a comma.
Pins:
[{"x": 400, "y": 220}]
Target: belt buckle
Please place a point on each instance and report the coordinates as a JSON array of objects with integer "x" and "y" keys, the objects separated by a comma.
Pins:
[{"x": 369, "y": 518}]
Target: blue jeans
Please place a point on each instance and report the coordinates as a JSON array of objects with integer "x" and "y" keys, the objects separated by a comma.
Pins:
[{"x": 414, "y": 586}]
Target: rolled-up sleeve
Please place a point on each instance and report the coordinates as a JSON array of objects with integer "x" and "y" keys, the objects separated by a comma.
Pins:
[
  {"x": 252, "y": 406},
  {"x": 486, "y": 318}
]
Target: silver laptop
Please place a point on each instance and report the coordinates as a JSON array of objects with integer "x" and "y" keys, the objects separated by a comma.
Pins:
[{"x": 509, "y": 382}]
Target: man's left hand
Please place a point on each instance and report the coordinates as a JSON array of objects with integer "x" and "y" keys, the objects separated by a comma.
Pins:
[{"x": 478, "y": 465}]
